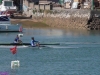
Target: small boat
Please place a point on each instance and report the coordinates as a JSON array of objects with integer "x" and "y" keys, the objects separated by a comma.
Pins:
[
  {"x": 7, "y": 7},
  {"x": 6, "y": 26}
]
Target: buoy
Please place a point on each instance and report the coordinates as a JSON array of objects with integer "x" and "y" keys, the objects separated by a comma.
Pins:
[{"x": 15, "y": 64}]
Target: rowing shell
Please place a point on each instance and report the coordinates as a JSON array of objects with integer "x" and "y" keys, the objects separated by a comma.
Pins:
[
  {"x": 24, "y": 45},
  {"x": 27, "y": 44}
]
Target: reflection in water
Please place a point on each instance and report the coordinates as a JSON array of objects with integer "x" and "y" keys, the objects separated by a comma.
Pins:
[
  {"x": 14, "y": 71},
  {"x": 56, "y": 32},
  {"x": 47, "y": 32}
]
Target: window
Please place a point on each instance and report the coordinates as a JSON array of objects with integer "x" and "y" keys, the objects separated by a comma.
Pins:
[
  {"x": 4, "y": 18},
  {"x": 8, "y": 3}
]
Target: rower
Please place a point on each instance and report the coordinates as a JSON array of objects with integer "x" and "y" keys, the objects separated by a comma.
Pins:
[
  {"x": 17, "y": 39},
  {"x": 34, "y": 43}
]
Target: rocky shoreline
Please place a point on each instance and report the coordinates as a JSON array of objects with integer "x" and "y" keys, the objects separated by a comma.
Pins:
[{"x": 74, "y": 19}]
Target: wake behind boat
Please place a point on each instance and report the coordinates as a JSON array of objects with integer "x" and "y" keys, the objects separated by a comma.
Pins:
[{"x": 11, "y": 46}]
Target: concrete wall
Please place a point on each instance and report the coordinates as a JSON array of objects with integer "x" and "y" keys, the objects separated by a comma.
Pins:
[{"x": 75, "y": 18}]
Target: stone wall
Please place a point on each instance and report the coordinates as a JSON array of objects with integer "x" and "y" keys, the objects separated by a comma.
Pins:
[{"x": 75, "y": 18}]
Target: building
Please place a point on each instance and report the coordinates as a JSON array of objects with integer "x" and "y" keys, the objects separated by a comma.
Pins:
[{"x": 47, "y": 4}]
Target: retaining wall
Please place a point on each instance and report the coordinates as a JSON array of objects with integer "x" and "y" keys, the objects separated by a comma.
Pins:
[{"x": 69, "y": 18}]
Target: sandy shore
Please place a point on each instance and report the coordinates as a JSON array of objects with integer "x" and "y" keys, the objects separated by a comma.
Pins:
[{"x": 29, "y": 23}]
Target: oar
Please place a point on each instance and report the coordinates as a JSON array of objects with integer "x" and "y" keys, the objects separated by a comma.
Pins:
[
  {"x": 38, "y": 45},
  {"x": 50, "y": 44}
]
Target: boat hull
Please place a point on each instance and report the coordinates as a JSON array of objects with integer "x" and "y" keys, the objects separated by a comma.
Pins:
[
  {"x": 27, "y": 44},
  {"x": 11, "y": 28},
  {"x": 7, "y": 26}
]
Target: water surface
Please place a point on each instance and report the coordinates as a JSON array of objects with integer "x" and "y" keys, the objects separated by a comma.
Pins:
[{"x": 77, "y": 54}]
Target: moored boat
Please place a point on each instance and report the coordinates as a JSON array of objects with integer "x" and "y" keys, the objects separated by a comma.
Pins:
[
  {"x": 6, "y": 26},
  {"x": 7, "y": 7}
]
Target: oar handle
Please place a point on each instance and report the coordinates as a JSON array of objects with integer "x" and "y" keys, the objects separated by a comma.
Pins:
[{"x": 38, "y": 44}]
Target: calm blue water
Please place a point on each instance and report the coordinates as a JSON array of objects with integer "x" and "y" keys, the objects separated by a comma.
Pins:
[{"x": 78, "y": 54}]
